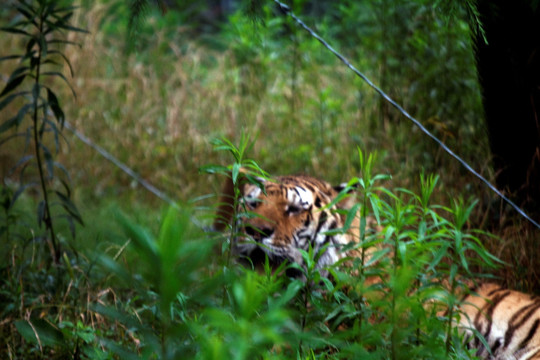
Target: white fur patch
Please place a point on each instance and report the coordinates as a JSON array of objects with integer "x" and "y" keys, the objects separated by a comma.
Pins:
[{"x": 300, "y": 197}]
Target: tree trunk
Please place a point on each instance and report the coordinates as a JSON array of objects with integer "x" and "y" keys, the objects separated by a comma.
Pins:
[{"x": 509, "y": 71}]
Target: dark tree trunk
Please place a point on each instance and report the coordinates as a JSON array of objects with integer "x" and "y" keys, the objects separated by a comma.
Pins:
[{"x": 509, "y": 72}]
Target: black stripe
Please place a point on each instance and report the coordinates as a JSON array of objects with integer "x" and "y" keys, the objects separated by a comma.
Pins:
[
  {"x": 308, "y": 220},
  {"x": 488, "y": 309},
  {"x": 530, "y": 335},
  {"x": 495, "y": 346},
  {"x": 494, "y": 291},
  {"x": 519, "y": 319},
  {"x": 313, "y": 189},
  {"x": 322, "y": 220}
]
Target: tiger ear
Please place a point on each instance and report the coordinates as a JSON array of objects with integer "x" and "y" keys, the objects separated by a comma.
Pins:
[{"x": 225, "y": 210}]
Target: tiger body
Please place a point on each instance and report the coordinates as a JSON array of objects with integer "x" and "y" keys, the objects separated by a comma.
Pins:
[
  {"x": 297, "y": 212},
  {"x": 508, "y": 320}
]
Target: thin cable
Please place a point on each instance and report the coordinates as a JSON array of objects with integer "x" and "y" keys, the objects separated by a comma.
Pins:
[
  {"x": 286, "y": 9},
  {"x": 160, "y": 194}
]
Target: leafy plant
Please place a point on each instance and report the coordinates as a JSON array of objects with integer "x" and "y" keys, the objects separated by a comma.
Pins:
[
  {"x": 240, "y": 171},
  {"x": 42, "y": 24}
]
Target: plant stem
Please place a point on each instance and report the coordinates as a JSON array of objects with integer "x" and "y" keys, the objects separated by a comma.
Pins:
[
  {"x": 47, "y": 219},
  {"x": 451, "y": 305},
  {"x": 304, "y": 313},
  {"x": 393, "y": 303},
  {"x": 394, "y": 281},
  {"x": 363, "y": 228}
]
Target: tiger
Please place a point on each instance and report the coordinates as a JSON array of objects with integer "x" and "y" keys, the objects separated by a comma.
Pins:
[{"x": 293, "y": 213}]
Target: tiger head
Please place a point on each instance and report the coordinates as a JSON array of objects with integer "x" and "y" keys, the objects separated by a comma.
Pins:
[{"x": 281, "y": 216}]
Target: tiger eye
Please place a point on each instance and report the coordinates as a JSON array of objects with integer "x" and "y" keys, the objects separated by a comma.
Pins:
[
  {"x": 252, "y": 204},
  {"x": 293, "y": 209}
]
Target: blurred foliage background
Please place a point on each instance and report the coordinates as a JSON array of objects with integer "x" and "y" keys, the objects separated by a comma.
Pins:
[{"x": 155, "y": 94}]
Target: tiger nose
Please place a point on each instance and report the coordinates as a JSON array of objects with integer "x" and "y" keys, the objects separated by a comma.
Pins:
[{"x": 259, "y": 233}]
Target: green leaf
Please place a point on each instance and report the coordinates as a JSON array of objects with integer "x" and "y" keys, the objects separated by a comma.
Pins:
[
  {"x": 235, "y": 172},
  {"x": 13, "y": 84},
  {"x": 351, "y": 214},
  {"x": 53, "y": 129},
  {"x": 48, "y": 160},
  {"x": 374, "y": 201},
  {"x": 6, "y": 125},
  {"x": 21, "y": 189},
  {"x": 27, "y": 15},
  {"x": 50, "y": 62},
  {"x": 40, "y": 332},
  {"x": 213, "y": 169},
  {"x": 41, "y": 212},
  {"x": 292, "y": 289},
  {"x": 55, "y": 107},
  {"x": 11, "y": 57},
  {"x": 59, "y": 74},
  {"x": 14, "y": 30},
  {"x": 68, "y": 265},
  {"x": 27, "y": 7},
  {"x": 61, "y": 54},
  {"x": 17, "y": 119},
  {"x": 376, "y": 256},
  {"x": 64, "y": 26},
  {"x": 112, "y": 313},
  {"x": 10, "y": 98},
  {"x": 141, "y": 239},
  {"x": 71, "y": 224},
  {"x": 66, "y": 174},
  {"x": 70, "y": 207},
  {"x": 29, "y": 46}
]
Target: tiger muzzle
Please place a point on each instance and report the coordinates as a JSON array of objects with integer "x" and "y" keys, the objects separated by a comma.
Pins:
[{"x": 258, "y": 233}]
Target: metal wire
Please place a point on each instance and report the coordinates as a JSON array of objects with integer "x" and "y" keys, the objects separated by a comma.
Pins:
[
  {"x": 286, "y": 9},
  {"x": 160, "y": 194}
]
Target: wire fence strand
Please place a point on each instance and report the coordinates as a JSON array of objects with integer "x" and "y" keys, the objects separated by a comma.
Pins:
[
  {"x": 160, "y": 194},
  {"x": 287, "y": 10},
  {"x": 154, "y": 190}
]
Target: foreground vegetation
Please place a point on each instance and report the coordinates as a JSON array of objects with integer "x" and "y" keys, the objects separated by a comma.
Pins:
[
  {"x": 139, "y": 280},
  {"x": 158, "y": 296}
]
